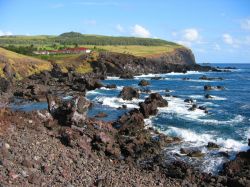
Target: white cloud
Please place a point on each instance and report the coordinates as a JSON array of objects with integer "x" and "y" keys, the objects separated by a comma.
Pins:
[
  {"x": 2, "y": 33},
  {"x": 120, "y": 28},
  {"x": 90, "y": 22},
  {"x": 185, "y": 43},
  {"x": 228, "y": 39},
  {"x": 140, "y": 31},
  {"x": 191, "y": 34},
  {"x": 217, "y": 47},
  {"x": 245, "y": 24}
]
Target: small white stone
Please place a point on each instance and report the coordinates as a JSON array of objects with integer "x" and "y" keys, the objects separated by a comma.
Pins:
[
  {"x": 30, "y": 121},
  {"x": 7, "y": 146}
]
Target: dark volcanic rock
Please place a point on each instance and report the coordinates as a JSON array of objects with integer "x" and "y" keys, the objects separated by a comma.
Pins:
[
  {"x": 144, "y": 83},
  {"x": 149, "y": 106},
  {"x": 111, "y": 86},
  {"x": 128, "y": 93},
  {"x": 238, "y": 170},
  {"x": 130, "y": 123},
  {"x": 190, "y": 100},
  {"x": 4, "y": 85},
  {"x": 204, "y": 77},
  {"x": 127, "y": 76},
  {"x": 68, "y": 112},
  {"x": 207, "y": 96},
  {"x": 212, "y": 145},
  {"x": 209, "y": 87}
]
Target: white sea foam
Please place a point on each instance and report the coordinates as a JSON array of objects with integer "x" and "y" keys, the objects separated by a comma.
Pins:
[
  {"x": 197, "y": 140},
  {"x": 93, "y": 92},
  {"x": 112, "y": 78},
  {"x": 117, "y": 88},
  {"x": 218, "y": 98},
  {"x": 116, "y": 102},
  {"x": 179, "y": 107},
  {"x": 196, "y": 96},
  {"x": 188, "y": 73}
]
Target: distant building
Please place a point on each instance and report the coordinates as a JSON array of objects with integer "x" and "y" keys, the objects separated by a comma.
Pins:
[{"x": 75, "y": 50}]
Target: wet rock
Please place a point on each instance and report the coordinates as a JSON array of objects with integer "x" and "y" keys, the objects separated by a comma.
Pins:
[
  {"x": 126, "y": 76},
  {"x": 190, "y": 100},
  {"x": 101, "y": 115},
  {"x": 191, "y": 152},
  {"x": 207, "y": 96},
  {"x": 156, "y": 78},
  {"x": 145, "y": 90},
  {"x": 204, "y": 77},
  {"x": 212, "y": 145},
  {"x": 150, "y": 105},
  {"x": 185, "y": 78},
  {"x": 111, "y": 86},
  {"x": 209, "y": 87},
  {"x": 167, "y": 90},
  {"x": 148, "y": 109},
  {"x": 193, "y": 107},
  {"x": 128, "y": 93},
  {"x": 144, "y": 83}
]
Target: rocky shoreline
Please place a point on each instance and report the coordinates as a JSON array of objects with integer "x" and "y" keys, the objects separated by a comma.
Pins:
[{"x": 61, "y": 146}]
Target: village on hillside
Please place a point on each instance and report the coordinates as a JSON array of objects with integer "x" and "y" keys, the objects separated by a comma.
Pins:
[{"x": 75, "y": 50}]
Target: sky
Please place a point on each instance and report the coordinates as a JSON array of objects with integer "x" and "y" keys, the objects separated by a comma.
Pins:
[{"x": 217, "y": 31}]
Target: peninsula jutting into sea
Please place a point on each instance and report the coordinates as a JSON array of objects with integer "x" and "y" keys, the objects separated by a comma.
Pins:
[{"x": 123, "y": 110}]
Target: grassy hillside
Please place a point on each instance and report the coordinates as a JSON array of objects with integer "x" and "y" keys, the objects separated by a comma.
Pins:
[
  {"x": 137, "y": 50},
  {"x": 22, "y": 65},
  {"x": 73, "y": 38}
]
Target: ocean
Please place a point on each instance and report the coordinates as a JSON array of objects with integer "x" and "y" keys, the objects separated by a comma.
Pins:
[{"x": 227, "y": 122}]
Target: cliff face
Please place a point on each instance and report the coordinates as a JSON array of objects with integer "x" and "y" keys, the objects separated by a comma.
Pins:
[
  {"x": 180, "y": 60},
  {"x": 182, "y": 56}
]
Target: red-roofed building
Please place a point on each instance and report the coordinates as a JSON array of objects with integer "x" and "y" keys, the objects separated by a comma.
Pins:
[{"x": 75, "y": 50}]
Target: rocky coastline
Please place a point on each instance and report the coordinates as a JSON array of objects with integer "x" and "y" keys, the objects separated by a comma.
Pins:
[{"x": 62, "y": 146}]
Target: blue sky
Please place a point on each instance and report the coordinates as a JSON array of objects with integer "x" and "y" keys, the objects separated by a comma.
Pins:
[{"x": 218, "y": 31}]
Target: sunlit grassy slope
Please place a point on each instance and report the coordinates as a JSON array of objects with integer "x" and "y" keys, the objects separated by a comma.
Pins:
[
  {"x": 22, "y": 65},
  {"x": 138, "y": 50}
]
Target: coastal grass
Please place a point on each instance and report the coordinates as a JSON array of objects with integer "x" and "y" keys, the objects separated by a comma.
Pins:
[
  {"x": 136, "y": 50},
  {"x": 22, "y": 65}
]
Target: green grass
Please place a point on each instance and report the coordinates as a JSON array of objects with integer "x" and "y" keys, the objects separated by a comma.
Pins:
[
  {"x": 137, "y": 50},
  {"x": 22, "y": 65}
]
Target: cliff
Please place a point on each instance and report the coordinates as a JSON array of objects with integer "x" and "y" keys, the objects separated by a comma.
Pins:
[{"x": 116, "y": 64}]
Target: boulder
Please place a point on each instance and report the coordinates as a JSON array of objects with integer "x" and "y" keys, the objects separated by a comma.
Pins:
[
  {"x": 190, "y": 100},
  {"x": 212, "y": 145},
  {"x": 207, "y": 96},
  {"x": 130, "y": 123},
  {"x": 204, "y": 77},
  {"x": 128, "y": 93},
  {"x": 70, "y": 112},
  {"x": 149, "y": 106},
  {"x": 4, "y": 85},
  {"x": 126, "y": 76},
  {"x": 144, "y": 83},
  {"x": 111, "y": 86}
]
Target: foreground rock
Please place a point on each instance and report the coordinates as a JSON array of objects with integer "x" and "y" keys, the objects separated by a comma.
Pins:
[{"x": 128, "y": 93}]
